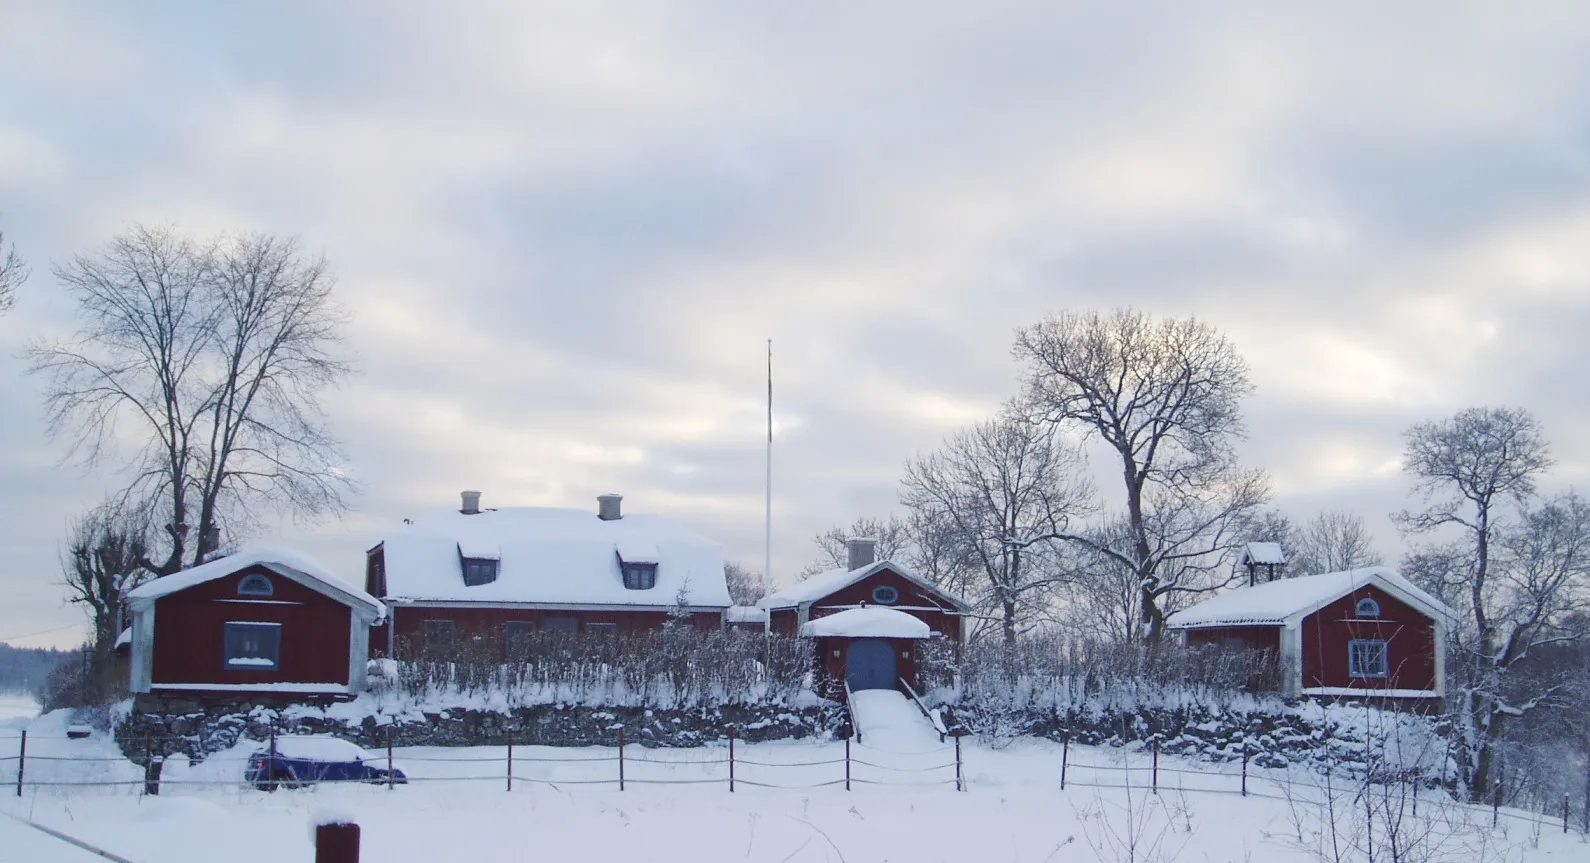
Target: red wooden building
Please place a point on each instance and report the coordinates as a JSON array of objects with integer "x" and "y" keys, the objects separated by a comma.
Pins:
[
  {"x": 1364, "y": 633},
  {"x": 257, "y": 621},
  {"x": 454, "y": 578},
  {"x": 880, "y": 611}
]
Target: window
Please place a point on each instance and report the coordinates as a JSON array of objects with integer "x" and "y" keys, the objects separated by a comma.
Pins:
[
  {"x": 441, "y": 638},
  {"x": 1367, "y": 658},
  {"x": 519, "y": 635},
  {"x": 567, "y": 625},
  {"x": 1367, "y": 608},
  {"x": 253, "y": 646},
  {"x": 479, "y": 570},
  {"x": 607, "y": 630},
  {"x": 255, "y": 585},
  {"x": 639, "y": 576},
  {"x": 883, "y": 594}
]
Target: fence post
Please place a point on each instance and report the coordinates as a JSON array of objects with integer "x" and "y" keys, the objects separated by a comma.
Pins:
[
  {"x": 1065, "y": 756},
  {"x": 847, "y": 766},
  {"x": 1496, "y": 799},
  {"x": 391, "y": 782},
  {"x": 731, "y": 760},
  {"x": 270, "y": 777},
  {"x": 621, "y": 758},
  {"x": 1565, "y": 813},
  {"x": 510, "y": 760},
  {"x": 1156, "y": 764},
  {"x": 337, "y": 843},
  {"x": 1244, "y": 768},
  {"x": 960, "y": 778},
  {"x": 22, "y": 761},
  {"x": 1418, "y": 779}
]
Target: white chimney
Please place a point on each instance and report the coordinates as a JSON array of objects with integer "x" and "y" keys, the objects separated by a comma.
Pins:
[
  {"x": 608, "y": 507},
  {"x": 471, "y": 503},
  {"x": 862, "y": 551}
]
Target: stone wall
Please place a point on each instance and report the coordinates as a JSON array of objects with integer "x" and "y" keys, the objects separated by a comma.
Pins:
[{"x": 197, "y": 728}]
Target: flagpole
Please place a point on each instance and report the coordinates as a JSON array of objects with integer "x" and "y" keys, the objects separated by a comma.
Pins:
[{"x": 767, "y": 527}]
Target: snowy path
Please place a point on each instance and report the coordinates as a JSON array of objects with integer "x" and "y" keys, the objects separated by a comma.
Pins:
[{"x": 890, "y": 722}]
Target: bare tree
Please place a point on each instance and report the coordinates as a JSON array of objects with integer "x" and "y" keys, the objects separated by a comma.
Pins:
[
  {"x": 745, "y": 584},
  {"x": 1163, "y": 395},
  {"x": 1519, "y": 572},
  {"x": 1333, "y": 541},
  {"x": 893, "y": 535},
  {"x": 215, "y": 354},
  {"x": 101, "y": 563},
  {"x": 1001, "y": 489},
  {"x": 13, "y": 272}
]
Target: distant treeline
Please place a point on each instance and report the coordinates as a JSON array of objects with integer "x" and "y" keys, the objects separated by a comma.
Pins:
[{"x": 24, "y": 669}]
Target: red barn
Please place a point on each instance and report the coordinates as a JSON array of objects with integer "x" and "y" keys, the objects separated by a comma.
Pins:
[
  {"x": 456, "y": 577},
  {"x": 870, "y": 650},
  {"x": 1361, "y": 633},
  {"x": 258, "y": 621}
]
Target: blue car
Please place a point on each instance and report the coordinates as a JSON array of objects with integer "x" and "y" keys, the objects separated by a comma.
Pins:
[{"x": 301, "y": 761}]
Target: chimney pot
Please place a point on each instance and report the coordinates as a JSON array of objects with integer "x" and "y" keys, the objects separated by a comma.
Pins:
[
  {"x": 471, "y": 502},
  {"x": 609, "y": 507},
  {"x": 861, "y": 551}
]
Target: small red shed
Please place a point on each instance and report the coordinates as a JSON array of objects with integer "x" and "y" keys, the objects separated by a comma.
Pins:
[
  {"x": 260, "y": 620},
  {"x": 865, "y": 590},
  {"x": 1364, "y": 633}
]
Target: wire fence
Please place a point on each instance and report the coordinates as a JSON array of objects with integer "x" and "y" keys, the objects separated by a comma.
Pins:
[{"x": 629, "y": 764}]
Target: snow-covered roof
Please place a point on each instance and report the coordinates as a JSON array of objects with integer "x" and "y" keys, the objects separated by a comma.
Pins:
[
  {"x": 286, "y": 563},
  {"x": 745, "y": 614},
  {"x": 552, "y": 556},
  {"x": 1263, "y": 553},
  {"x": 834, "y": 580},
  {"x": 870, "y": 622},
  {"x": 1276, "y": 603}
]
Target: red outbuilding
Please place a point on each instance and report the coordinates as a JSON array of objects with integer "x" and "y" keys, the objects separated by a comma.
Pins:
[
  {"x": 867, "y": 618},
  {"x": 1363, "y": 633},
  {"x": 257, "y": 621}
]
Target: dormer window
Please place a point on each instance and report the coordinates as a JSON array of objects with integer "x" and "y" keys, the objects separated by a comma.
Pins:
[
  {"x": 255, "y": 585},
  {"x": 1367, "y": 608},
  {"x": 639, "y": 576},
  {"x": 479, "y": 570}
]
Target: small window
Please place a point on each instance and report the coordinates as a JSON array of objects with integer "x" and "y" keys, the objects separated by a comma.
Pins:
[
  {"x": 255, "y": 585},
  {"x": 566, "y": 625},
  {"x": 1367, "y": 608},
  {"x": 441, "y": 638},
  {"x": 640, "y": 576},
  {"x": 884, "y": 594},
  {"x": 605, "y": 630},
  {"x": 518, "y": 635},
  {"x": 1367, "y": 658},
  {"x": 479, "y": 570},
  {"x": 253, "y": 646}
]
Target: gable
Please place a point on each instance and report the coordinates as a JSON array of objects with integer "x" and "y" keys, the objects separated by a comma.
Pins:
[
  {"x": 911, "y": 593},
  {"x": 1285, "y": 601},
  {"x": 1392, "y": 609},
  {"x": 222, "y": 577},
  {"x": 226, "y": 589}
]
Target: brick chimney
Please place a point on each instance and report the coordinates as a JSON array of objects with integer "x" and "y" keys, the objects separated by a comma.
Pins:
[{"x": 609, "y": 507}]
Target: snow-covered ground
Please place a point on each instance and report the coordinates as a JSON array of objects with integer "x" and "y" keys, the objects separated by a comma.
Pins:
[
  {"x": 903, "y": 806},
  {"x": 17, "y": 709}
]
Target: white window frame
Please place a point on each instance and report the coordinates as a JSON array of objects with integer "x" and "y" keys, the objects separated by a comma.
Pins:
[
  {"x": 232, "y": 663},
  {"x": 1358, "y": 607},
  {"x": 1354, "y": 666}
]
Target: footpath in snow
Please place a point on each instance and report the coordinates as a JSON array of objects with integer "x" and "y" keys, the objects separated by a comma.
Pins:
[{"x": 891, "y": 722}]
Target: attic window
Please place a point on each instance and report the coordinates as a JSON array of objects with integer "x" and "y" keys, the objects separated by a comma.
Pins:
[
  {"x": 1367, "y": 608},
  {"x": 638, "y": 576},
  {"x": 479, "y": 570},
  {"x": 255, "y": 585},
  {"x": 885, "y": 594}
]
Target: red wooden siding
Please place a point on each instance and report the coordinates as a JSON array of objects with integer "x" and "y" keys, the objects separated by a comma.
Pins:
[
  {"x": 913, "y": 599},
  {"x": 489, "y": 625},
  {"x": 190, "y": 633},
  {"x": 1410, "y": 638},
  {"x": 784, "y": 621},
  {"x": 1244, "y": 637}
]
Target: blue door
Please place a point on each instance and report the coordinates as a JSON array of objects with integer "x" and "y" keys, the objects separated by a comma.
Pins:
[{"x": 870, "y": 664}]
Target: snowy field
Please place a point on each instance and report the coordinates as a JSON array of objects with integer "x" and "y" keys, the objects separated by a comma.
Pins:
[
  {"x": 17, "y": 709},
  {"x": 567, "y": 807}
]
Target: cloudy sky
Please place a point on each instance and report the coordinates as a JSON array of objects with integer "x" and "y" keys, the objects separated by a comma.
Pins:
[{"x": 565, "y": 231}]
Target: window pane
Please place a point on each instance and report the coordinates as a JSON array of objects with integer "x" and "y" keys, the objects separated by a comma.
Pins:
[
  {"x": 564, "y": 624},
  {"x": 519, "y": 635},
  {"x": 253, "y": 646},
  {"x": 255, "y": 585},
  {"x": 440, "y": 638}
]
